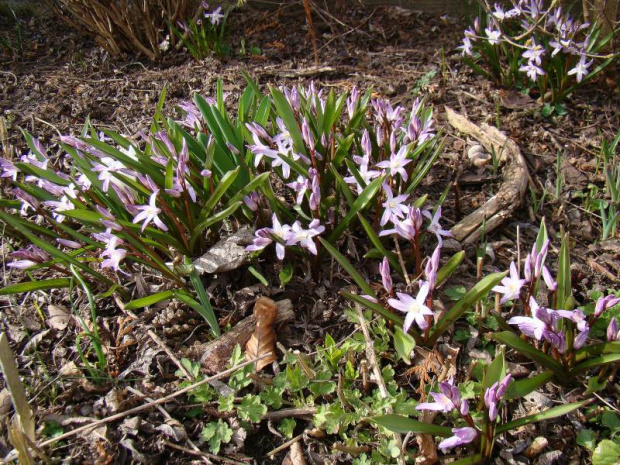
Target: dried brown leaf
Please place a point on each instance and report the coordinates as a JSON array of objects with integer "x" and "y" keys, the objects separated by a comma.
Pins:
[{"x": 263, "y": 338}]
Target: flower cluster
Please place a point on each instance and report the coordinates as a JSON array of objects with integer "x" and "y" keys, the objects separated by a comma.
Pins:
[
  {"x": 285, "y": 235},
  {"x": 448, "y": 399},
  {"x": 561, "y": 329},
  {"x": 379, "y": 147},
  {"x": 28, "y": 257},
  {"x": 397, "y": 138},
  {"x": 548, "y": 46},
  {"x": 409, "y": 226},
  {"x": 204, "y": 35},
  {"x": 118, "y": 186}
]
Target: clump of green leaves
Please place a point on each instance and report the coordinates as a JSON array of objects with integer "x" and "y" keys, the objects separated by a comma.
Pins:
[
  {"x": 162, "y": 199},
  {"x": 205, "y": 35}
]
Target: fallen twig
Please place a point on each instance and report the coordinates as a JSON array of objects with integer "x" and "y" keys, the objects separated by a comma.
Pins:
[
  {"x": 372, "y": 361},
  {"x": 173, "y": 357},
  {"x": 284, "y": 446},
  {"x": 289, "y": 412}
]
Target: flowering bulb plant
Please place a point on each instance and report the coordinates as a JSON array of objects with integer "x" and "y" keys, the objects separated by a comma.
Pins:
[
  {"x": 339, "y": 158},
  {"x": 529, "y": 43},
  {"x": 477, "y": 428},
  {"x": 205, "y": 35},
  {"x": 160, "y": 199},
  {"x": 154, "y": 201},
  {"x": 423, "y": 323},
  {"x": 554, "y": 334}
]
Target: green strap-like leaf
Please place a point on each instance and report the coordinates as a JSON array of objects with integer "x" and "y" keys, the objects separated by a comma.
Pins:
[
  {"x": 564, "y": 284},
  {"x": 32, "y": 286},
  {"x": 23, "y": 227},
  {"x": 206, "y": 310},
  {"x": 403, "y": 425},
  {"x": 42, "y": 174},
  {"x": 523, "y": 387},
  {"x": 349, "y": 268},
  {"x": 478, "y": 292},
  {"x": 220, "y": 190},
  {"x": 525, "y": 348},
  {"x": 450, "y": 267},
  {"x": 250, "y": 187},
  {"x": 546, "y": 415},
  {"x": 597, "y": 349},
  {"x": 220, "y": 216},
  {"x": 494, "y": 372},
  {"x": 360, "y": 203},
  {"x": 150, "y": 300},
  {"x": 595, "y": 362},
  {"x": 372, "y": 235},
  {"x": 344, "y": 188},
  {"x": 284, "y": 110}
]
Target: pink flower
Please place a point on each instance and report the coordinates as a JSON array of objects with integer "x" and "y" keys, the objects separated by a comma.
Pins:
[
  {"x": 384, "y": 270},
  {"x": 28, "y": 257},
  {"x": 581, "y": 69},
  {"x": 394, "y": 207},
  {"x": 415, "y": 309},
  {"x": 511, "y": 285},
  {"x": 150, "y": 213},
  {"x": 303, "y": 237},
  {"x": 265, "y": 236},
  {"x": 396, "y": 164},
  {"x": 461, "y": 436},
  {"x": 434, "y": 226}
]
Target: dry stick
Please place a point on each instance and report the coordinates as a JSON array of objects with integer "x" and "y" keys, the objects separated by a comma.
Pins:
[
  {"x": 173, "y": 357},
  {"x": 284, "y": 446},
  {"x": 402, "y": 262},
  {"x": 204, "y": 455},
  {"x": 169, "y": 417},
  {"x": 312, "y": 32},
  {"x": 289, "y": 412},
  {"x": 509, "y": 196},
  {"x": 140, "y": 408},
  {"x": 372, "y": 361}
]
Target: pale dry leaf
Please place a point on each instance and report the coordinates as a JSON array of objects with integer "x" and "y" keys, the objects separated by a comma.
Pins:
[
  {"x": 33, "y": 343},
  {"x": 19, "y": 441},
  {"x": 59, "y": 317},
  {"x": 295, "y": 456},
  {"x": 5, "y": 403},
  {"x": 16, "y": 388},
  {"x": 226, "y": 255},
  {"x": 263, "y": 338}
]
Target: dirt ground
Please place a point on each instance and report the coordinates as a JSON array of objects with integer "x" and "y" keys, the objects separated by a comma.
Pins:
[{"x": 64, "y": 78}]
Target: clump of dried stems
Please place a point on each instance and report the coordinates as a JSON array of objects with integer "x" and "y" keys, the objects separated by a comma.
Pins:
[{"x": 135, "y": 27}]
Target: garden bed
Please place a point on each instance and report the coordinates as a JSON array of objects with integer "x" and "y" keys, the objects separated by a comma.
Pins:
[{"x": 63, "y": 78}]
